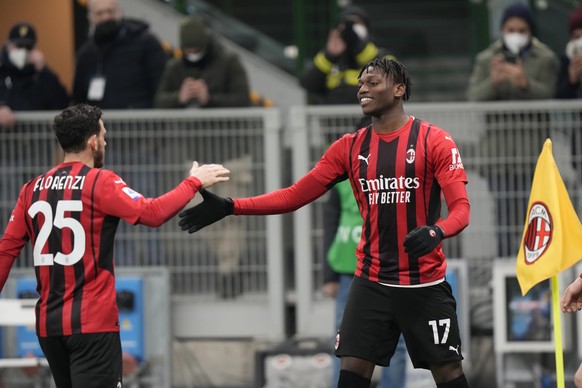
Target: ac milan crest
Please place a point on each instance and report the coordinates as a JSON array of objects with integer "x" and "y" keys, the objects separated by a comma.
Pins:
[
  {"x": 410, "y": 155},
  {"x": 538, "y": 235}
]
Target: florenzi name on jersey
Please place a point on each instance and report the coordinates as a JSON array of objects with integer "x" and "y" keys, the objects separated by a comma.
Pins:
[
  {"x": 64, "y": 182},
  {"x": 389, "y": 190}
]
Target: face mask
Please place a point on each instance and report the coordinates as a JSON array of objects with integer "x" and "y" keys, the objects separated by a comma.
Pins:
[
  {"x": 574, "y": 48},
  {"x": 107, "y": 31},
  {"x": 514, "y": 41},
  {"x": 194, "y": 58},
  {"x": 18, "y": 57},
  {"x": 361, "y": 31}
]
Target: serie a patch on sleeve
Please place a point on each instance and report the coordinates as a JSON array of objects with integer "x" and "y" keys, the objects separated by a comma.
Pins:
[{"x": 131, "y": 193}]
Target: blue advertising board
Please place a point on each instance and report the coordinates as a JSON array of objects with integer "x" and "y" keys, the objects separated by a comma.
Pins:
[
  {"x": 26, "y": 339},
  {"x": 130, "y": 302}
]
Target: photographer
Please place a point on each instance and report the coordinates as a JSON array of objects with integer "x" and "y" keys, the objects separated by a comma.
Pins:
[
  {"x": 569, "y": 85},
  {"x": 333, "y": 74},
  {"x": 516, "y": 67}
]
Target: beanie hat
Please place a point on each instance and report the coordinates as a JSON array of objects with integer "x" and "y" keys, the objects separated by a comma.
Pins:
[
  {"x": 519, "y": 10},
  {"x": 575, "y": 20},
  {"x": 22, "y": 34},
  {"x": 193, "y": 33},
  {"x": 353, "y": 10}
]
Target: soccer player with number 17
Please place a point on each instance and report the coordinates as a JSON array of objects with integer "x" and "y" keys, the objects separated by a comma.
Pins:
[{"x": 398, "y": 167}]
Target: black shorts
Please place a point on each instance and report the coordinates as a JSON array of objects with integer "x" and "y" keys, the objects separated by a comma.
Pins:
[
  {"x": 84, "y": 360},
  {"x": 375, "y": 315}
]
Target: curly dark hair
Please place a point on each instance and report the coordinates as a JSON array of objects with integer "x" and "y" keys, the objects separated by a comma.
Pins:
[
  {"x": 75, "y": 125},
  {"x": 392, "y": 67}
]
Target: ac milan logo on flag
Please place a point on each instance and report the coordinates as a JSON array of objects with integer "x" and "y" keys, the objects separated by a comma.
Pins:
[{"x": 538, "y": 235}]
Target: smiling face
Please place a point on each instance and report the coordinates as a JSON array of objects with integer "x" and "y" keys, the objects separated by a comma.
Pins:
[{"x": 377, "y": 92}]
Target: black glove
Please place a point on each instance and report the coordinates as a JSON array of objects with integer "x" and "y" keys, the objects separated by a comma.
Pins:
[
  {"x": 422, "y": 240},
  {"x": 214, "y": 208}
]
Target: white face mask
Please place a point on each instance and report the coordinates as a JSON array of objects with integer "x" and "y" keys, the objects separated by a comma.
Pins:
[
  {"x": 574, "y": 48},
  {"x": 361, "y": 31},
  {"x": 514, "y": 41},
  {"x": 191, "y": 57},
  {"x": 18, "y": 57}
]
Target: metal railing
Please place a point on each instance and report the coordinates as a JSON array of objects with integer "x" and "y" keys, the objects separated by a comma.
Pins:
[{"x": 248, "y": 268}]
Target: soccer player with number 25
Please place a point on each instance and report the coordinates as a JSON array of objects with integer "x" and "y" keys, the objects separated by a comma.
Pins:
[
  {"x": 398, "y": 167},
  {"x": 70, "y": 215}
]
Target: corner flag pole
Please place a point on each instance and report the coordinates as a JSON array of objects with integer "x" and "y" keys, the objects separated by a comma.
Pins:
[{"x": 557, "y": 332}]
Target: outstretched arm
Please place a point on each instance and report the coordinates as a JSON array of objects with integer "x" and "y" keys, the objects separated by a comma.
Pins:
[
  {"x": 121, "y": 201},
  {"x": 214, "y": 208},
  {"x": 302, "y": 192}
]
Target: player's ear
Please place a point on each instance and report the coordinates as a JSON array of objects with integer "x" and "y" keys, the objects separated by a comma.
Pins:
[
  {"x": 399, "y": 90},
  {"x": 92, "y": 142}
]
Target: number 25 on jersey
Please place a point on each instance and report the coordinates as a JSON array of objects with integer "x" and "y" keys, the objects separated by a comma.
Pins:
[{"x": 58, "y": 220}]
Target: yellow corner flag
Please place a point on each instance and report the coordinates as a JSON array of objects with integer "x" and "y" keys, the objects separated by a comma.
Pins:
[{"x": 552, "y": 236}]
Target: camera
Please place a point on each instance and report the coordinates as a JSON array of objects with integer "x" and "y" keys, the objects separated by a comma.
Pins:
[{"x": 510, "y": 57}]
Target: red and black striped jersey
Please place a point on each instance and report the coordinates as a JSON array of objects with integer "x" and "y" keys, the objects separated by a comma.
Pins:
[
  {"x": 397, "y": 180},
  {"x": 70, "y": 215}
]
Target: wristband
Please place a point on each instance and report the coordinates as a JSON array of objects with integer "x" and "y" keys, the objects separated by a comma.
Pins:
[{"x": 580, "y": 276}]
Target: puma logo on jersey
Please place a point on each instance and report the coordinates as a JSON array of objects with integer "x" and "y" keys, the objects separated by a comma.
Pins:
[
  {"x": 456, "y": 350},
  {"x": 449, "y": 138},
  {"x": 118, "y": 181},
  {"x": 11, "y": 219},
  {"x": 360, "y": 157}
]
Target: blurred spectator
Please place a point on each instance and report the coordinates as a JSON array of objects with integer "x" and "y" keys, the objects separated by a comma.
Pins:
[
  {"x": 569, "y": 85},
  {"x": 26, "y": 82},
  {"x": 516, "y": 67},
  {"x": 333, "y": 75},
  {"x": 206, "y": 76},
  {"x": 120, "y": 65}
]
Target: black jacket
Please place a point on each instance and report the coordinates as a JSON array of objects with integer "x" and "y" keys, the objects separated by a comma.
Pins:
[
  {"x": 334, "y": 80},
  {"x": 132, "y": 66},
  {"x": 27, "y": 89}
]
